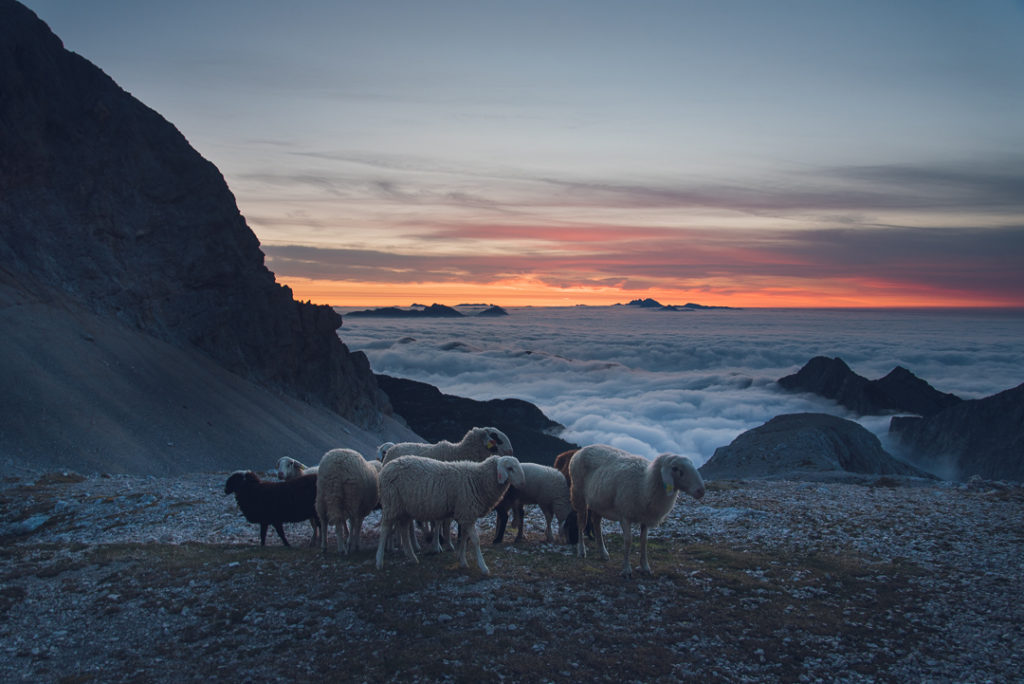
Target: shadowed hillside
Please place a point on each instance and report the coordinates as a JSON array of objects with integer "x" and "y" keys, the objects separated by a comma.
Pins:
[{"x": 114, "y": 230}]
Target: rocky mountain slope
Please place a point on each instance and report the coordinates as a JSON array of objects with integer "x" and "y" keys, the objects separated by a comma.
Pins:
[{"x": 112, "y": 226}]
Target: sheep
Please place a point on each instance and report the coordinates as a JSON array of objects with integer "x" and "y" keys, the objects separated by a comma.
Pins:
[
  {"x": 288, "y": 467},
  {"x": 346, "y": 489},
  {"x": 614, "y": 484},
  {"x": 417, "y": 488},
  {"x": 383, "y": 449},
  {"x": 544, "y": 486},
  {"x": 477, "y": 444},
  {"x": 562, "y": 464},
  {"x": 273, "y": 503}
]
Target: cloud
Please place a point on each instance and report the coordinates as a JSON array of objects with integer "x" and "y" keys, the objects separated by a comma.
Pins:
[
  {"x": 687, "y": 382},
  {"x": 968, "y": 261}
]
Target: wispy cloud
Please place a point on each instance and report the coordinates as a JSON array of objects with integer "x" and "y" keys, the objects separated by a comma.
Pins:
[
  {"x": 926, "y": 231},
  {"x": 980, "y": 262}
]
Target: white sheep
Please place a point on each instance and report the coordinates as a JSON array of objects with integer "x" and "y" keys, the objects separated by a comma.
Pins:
[
  {"x": 383, "y": 449},
  {"x": 346, "y": 491},
  {"x": 543, "y": 486},
  {"x": 614, "y": 484},
  {"x": 288, "y": 468},
  {"x": 417, "y": 488},
  {"x": 477, "y": 444}
]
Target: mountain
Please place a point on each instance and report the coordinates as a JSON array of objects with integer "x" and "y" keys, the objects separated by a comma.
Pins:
[
  {"x": 983, "y": 437},
  {"x": 899, "y": 391},
  {"x": 432, "y": 311},
  {"x": 439, "y": 416},
  {"x": 114, "y": 230},
  {"x": 802, "y": 445}
]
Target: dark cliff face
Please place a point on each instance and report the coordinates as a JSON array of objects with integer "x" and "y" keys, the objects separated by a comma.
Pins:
[
  {"x": 105, "y": 202},
  {"x": 982, "y": 437}
]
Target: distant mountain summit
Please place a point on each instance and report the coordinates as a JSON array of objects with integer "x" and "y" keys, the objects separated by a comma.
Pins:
[
  {"x": 899, "y": 391},
  {"x": 649, "y": 303},
  {"x": 432, "y": 311},
  {"x": 418, "y": 311}
]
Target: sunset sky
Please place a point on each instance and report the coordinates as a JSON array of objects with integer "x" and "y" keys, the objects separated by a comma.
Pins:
[{"x": 792, "y": 153}]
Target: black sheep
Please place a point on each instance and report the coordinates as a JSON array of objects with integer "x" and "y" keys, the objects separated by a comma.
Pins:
[{"x": 274, "y": 503}]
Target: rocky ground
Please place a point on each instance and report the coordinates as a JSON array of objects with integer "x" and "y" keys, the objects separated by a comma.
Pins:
[{"x": 138, "y": 578}]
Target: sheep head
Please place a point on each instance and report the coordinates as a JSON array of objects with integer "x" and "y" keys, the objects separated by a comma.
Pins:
[
  {"x": 678, "y": 472},
  {"x": 496, "y": 442},
  {"x": 239, "y": 479},
  {"x": 509, "y": 470},
  {"x": 288, "y": 467}
]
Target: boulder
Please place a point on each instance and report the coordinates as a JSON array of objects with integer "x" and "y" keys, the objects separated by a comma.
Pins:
[{"x": 799, "y": 445}]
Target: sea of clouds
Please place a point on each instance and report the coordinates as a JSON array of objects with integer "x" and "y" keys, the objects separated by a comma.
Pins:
[{"x": 650, "y": 381}]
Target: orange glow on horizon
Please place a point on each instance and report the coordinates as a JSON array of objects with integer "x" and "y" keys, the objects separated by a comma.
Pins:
[{"x": 533, "y": 293}]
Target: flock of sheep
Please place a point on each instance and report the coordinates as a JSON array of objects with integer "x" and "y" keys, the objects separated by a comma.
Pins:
[{"x": 435, "y": 484}]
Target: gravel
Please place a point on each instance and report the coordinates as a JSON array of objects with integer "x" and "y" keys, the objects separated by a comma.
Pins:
[{"x": 126, "y": 578}]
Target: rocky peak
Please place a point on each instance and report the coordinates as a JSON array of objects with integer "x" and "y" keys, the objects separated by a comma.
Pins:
[
  {"x": 107, "y": 204},
  {"x": 899, "y": 391}
]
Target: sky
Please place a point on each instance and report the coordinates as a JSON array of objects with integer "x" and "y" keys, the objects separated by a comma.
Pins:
[{"x": 740, "y": 153}]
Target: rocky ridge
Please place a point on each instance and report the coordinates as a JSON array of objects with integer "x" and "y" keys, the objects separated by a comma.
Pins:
[
  {"x": 127, "y": 578},
  {"x": 108, "y": 208},
  {"x": 898, "y": 392}
]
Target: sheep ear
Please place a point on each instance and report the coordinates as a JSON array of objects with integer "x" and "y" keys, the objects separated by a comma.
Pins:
[
  {"x": 502, "y": 473},
  {"x": 666, "y": 478}
]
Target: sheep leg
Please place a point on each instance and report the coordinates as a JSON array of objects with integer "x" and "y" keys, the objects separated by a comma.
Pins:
[
  {"x": 501, "y": 515},
  {"x": 581, "y": 546},
  {"x": 406, "y": 534},
  {"x": 435, "y": 536},
  {"x": 321, "y": 514},
  {"x": 644, "y": 565},
  {"x": 385, "y": 532},
  {"x": 446, "y": 532},
  {"x": 474, "y": 537},
  {"x": 519, "y": 522},
  {"x": 461, "y": 548},
  {"x": 263, "y": 534},
  {"x": 598, "y": 536},
  {"x": 339, "y": 537},
  {"x": 548, "y": 535},
  {"x": 354, "y": 531},
  {"x": 316, "y": 531},
  {"x": 627, "y": 543},
  {"x": 279, "y": 528}
]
